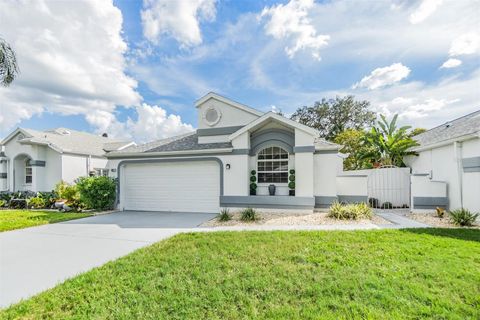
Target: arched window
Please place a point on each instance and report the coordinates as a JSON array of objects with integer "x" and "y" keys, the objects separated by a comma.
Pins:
[{"x": 272, "y": 165}]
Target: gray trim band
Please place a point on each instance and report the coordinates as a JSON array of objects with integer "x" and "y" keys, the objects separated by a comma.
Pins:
[
  {"x": 326, "y": 151},
  {"x": 217, "y": 131},
  {"x": 429, "y": 202},
  {"x": 352, "y": 199},
  {"x": 3, "y": 175},
  {"x": 240, "y": 151},
  {"x": 280, "y": 202},
  {"x": 272, "y": 137},
  {"x": 353, "y": 175},
  {"x": 324, "y": 201},
  {"x": 420, "y": 174},
  {"x": 37, "y": 163},
  {"x": 471, "y": 164},
  {"x": 310, "y": 149},
  {"x": 123, "y": 162}
]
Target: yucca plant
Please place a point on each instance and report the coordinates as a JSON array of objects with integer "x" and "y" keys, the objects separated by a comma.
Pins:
[
  {"x": 249, "y": 214},
  {"x": 463, "y": 217},
  {"x": 224, "y": 215}
]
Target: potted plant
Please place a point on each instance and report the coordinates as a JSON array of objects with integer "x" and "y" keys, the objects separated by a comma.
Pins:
[
  {"x": 253, "y": 184},
  {"x": 271, "y": 189},
  {"x": 291, "y": 183}
]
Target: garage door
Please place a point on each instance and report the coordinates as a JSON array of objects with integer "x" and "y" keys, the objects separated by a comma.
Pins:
[{"x": 171, "y": 186}]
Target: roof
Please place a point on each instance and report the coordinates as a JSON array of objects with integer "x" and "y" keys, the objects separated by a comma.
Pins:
[
  {"x": 466, "y": 125},
  {"x": 213, "y": 95},
  {"x": 322, "y": 144},
  {"x": 181, "y": 143},
  {"x": 272, "y": 115},
  {"x": 65, "y": 140}
]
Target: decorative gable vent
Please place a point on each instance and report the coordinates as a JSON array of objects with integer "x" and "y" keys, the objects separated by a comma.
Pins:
[{"x": 212, "y": 116}]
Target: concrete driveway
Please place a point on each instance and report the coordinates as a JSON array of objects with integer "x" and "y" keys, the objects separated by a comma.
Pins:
[{"x": 35, "y": 259}]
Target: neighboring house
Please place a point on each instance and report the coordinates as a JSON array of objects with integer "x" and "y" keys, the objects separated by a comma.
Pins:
[
  {"x": 450, "y": 153},
  {"x": 210, "y": 168},
  {"x": 37, "y": 160}
]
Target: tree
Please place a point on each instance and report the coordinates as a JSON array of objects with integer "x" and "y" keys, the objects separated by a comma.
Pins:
[
  {"x": 389, "y": 143},
  {"x": 352, "y": 142},
  {"x": 417, "y": 131},
  {"x": 333, "y": 116},
  {"x": 8, "y": 64}
]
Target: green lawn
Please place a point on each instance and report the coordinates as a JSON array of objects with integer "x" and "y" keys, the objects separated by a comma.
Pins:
[
  {"x": 382, "y": 274},
  {"x": 18, "y": 219}
]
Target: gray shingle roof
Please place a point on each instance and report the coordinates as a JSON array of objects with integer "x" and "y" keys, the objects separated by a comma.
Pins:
[
  {"x": 71, "y": 141},
  {"x": 462, "y": 126}
]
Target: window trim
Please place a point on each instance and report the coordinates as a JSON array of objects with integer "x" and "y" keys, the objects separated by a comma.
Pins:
[
  {"x": 101, "y": 172},
  {"x": 28, "y": 166},
  {"x": 287, "y": 159}
]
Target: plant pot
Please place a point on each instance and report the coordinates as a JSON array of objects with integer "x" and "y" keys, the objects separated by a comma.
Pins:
[
  {"x": 291, "y": 192},
  {"x": 271, "y": 189},
  {"x": 253, "y": 192}
]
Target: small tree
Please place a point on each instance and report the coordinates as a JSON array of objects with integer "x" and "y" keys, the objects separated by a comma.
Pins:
[
  {"x": 8, "y": 64},
  {"x": 352, "y": 142},
  {"x": 389, "y": 143},
  {"x": 97, "y": 192}
]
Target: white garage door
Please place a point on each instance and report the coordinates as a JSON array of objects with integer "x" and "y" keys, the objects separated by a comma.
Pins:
[{"x": 171, "y": 186}]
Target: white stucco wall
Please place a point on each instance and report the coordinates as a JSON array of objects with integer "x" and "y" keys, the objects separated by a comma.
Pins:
[
  {"x": 74, "y": 166},
  {"x": 304, "y": 174},
  {"x": 303, "y": 139},
  {"x": 442, "y": 165},
  {"x": 326, "y": 168},
  {"x": 231, "y": 116},
  {"x": 352, "y": 185}
]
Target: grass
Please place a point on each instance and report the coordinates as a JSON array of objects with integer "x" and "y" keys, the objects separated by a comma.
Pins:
[
  {"x": 382, "y": 274},
  {"x": 18, "y": 219}
]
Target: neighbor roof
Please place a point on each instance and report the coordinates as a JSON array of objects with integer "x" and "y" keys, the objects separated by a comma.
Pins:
[
  {"x": 466, "y": 125},
  {"x": 65, "y": 140}
]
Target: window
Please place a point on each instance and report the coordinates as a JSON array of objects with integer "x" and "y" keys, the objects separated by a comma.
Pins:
[
  {"x": 101, "y": 172},
  {"x": 28, "y": 172},
  {"x": 272, "y": 165}
]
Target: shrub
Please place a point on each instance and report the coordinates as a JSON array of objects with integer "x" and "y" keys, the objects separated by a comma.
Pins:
[
  {"x": 69, "y": 193},
  {"x": 3, "y": 203},
  {"x": 291, "y": 185},
  {"x": 350, "y": 211},
  {"x": 224, "y": 215},
  {"x": 97, "y": 192},
  {"x": 253, "y": 186},
  {"x": 6, "y": 196},
  {"x": 48, "y": 197},
  {"x": 387, "y": 205},
  {"x": 18, "y": 204},
  {"x": 249, "y": 214},
  {"x": 373, "y": 202},
  {"x": 440, "y": 212},
  {"x": 253, "y": 178},
  {"x": 36, "y": 203},
  {"x": 463, "y": 217}
]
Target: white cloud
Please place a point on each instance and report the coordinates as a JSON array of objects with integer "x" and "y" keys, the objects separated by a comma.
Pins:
[
  {"x": 466, "y": 44},
  {"x": 451, "y": 63},
  {"x": 178, "y": 19},
  {"x": 291, "y": 22},
  {"x": 71, "y": 60},
  {"x": 424, "y": 10},
  {"x": 382, "y": 77}
]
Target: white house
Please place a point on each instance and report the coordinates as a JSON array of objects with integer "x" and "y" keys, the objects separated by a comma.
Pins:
[
  {"x": 210, "y": 168},
  {"x": 37, "y": 160},
  {"x": 449, "y": 154}
]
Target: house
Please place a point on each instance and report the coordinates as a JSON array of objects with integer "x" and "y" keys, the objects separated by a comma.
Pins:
[
  {"x": 37, "y": 160},
  {"x": 211, "y": 168},
  {"x": 449, "y": 153}
]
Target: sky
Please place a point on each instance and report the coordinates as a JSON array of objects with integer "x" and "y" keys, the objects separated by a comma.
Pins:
[{"x": 134, "y": 69}]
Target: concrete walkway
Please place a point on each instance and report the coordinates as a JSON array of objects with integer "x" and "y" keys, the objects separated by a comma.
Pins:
[
  {"x": 400, "y": 221},
  {"x": 35, "y": 259}
]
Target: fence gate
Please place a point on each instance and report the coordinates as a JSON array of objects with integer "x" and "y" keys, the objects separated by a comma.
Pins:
[{"x": 389, "y": 187}]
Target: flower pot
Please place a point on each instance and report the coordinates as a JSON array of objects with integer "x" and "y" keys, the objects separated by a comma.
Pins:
[
  {"x": 271, "y": 189},
  {"x": 291, "y": 192}
]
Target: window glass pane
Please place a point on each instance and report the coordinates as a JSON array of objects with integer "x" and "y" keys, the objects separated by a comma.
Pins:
[
  {"x": 28, "y": 171},
  {"x": 28, "y": 179}
]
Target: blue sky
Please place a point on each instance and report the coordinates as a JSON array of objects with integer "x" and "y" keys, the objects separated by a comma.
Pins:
[{"x": 134, "y": 69}]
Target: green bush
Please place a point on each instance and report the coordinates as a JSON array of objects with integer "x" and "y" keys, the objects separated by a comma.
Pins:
[
  {"x": 97, "y": 192},
  {"x": 249, "y": 214},
  {"x": 350, "y": 211},
  {"x": 49, "y": 197},
  {"x": 292, "y": 171},
  {"x": 291, "y": 184},
  {"x": 291, "y": 177},
  {"x": 463, "y": 217},
  {"x": 36, "y": 203},
  {"x": 3, "y": 203},
  {"x": 387, "y": 205},
  {"x": 253, "y": 178},
  {"x": 253, "y": 172},
  {"x": 253, "y": 186},
  {"x": 224, "y": 215},
  {"x": 67, "y": 191}
]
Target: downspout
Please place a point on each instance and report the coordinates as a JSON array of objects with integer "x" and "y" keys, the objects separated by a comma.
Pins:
[{"x": 458, "y": 158}]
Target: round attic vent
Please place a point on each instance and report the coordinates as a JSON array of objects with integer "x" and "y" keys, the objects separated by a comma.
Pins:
[{"x": 212, "y": 116}]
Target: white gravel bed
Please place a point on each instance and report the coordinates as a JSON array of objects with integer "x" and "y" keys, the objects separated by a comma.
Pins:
[{"x": 434, "y": 221}]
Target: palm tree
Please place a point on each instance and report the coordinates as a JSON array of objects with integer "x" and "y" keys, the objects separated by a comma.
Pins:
[
  {"x": 389, "y": 143},
  {"x": 8, "y": 64}
]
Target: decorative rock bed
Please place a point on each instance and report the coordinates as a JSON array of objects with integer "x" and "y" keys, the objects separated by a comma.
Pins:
[{"x": 434, "y": 221}]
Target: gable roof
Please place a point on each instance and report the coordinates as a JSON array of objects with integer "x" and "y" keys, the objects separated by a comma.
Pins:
[
  {"x": 216, "y": 96},
  {"x": 65, "y": 140},
  {"x": 463, "y": 126},
  {"x": 177, "y": 144},
  {"x": 271, "y": 115}
]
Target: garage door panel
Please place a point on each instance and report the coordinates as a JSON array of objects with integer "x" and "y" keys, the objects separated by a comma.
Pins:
[{"x": 181, "y": 187}]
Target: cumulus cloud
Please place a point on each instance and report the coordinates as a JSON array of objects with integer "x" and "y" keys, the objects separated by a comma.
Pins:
[
  {"x": 424, "y": 10},
  {"x": 70, "y": 56},
  {"x": 466, "y": 44},
  {"x": 291, "y": 22},
  {"x": 178, "y": 19},
  {"x": 382, "y": 77},
  {"x": 451, "y": 63}
]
